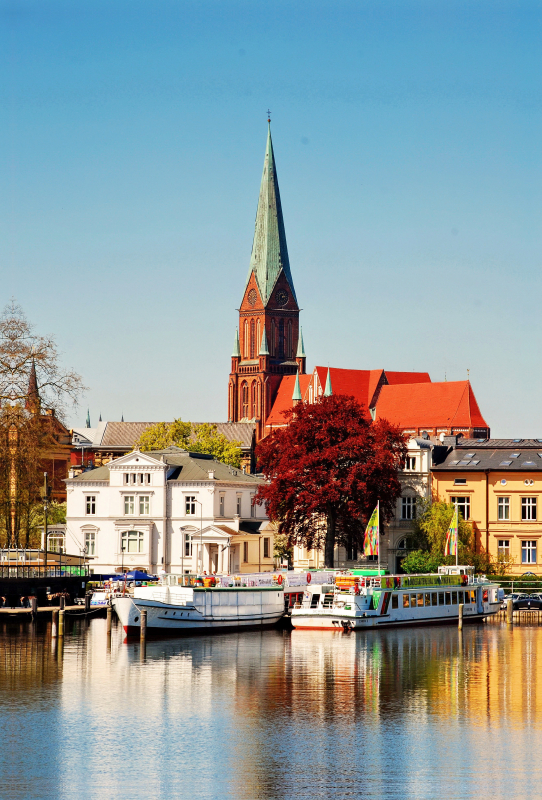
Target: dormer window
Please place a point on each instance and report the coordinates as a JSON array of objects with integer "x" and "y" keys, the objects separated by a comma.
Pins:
[{"x": 410, "y": 463}]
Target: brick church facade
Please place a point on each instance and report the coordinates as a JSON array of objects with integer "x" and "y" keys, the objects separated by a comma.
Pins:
[{"x": 268, "y": 363}]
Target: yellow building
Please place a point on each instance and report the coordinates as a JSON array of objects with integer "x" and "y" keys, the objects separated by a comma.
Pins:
[{"x": 497, "y": 486}]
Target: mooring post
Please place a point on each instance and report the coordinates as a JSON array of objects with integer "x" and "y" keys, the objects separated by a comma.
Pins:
[
  {"x": 509, "y": 611},
  {"x": 109, "y": 614},
  {"x": 143, "y": 630},
  {"x": 87, "y": 603},
  {"x": 460, "y": 617},
  {"x": 54, "y": 627},
  {"x": 34, "y": 607},
  {"x": 61, "y": 622},
  {"x": 62, "y": 603}
]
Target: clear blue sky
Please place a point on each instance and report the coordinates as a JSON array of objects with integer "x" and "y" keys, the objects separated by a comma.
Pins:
[{"x": 407, "y": 137}]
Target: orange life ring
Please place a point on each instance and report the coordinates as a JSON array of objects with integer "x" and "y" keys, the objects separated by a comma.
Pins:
[
  {"x": 309, "y": 577},
  {"x": 279, "y": 580}
]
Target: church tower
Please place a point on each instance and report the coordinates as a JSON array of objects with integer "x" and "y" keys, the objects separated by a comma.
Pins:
[{"x": 268, "y": 343}]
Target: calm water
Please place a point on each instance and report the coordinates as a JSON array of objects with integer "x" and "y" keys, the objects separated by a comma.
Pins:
[{"x": 423, "y": 713}]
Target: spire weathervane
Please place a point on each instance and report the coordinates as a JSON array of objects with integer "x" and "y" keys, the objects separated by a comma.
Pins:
[{"x": 269, "y": 116}]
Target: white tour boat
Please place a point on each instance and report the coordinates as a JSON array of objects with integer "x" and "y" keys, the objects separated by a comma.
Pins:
[
  {"x": 234, "y": 602},
  {"x": 354, "y": 602}
]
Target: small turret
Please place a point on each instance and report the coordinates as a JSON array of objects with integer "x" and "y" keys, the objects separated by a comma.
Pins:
[
  {"x": 33, "y": 400},
  {"x": 328, "y": 391},
  {"x": 296, "y": 397},
  {"x": 301, "y": 358},
  {"x": 87, "y": 424},
  {"x": 236, "y": 353}
]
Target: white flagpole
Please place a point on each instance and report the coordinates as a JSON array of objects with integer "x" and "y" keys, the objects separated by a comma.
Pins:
[
  {"x": 457, "y": 539},
  {"x": 378, "y": 528}
]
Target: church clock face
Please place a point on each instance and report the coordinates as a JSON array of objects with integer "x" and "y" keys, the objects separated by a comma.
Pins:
[
  {"x": 252, "y": 297},
  {"x": 281, "y": 297}
]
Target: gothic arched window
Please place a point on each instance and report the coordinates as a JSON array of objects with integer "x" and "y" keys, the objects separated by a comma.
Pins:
[
  {"x": 289, "y": 348},
  {"x": 245, "y": 340},
  {"x": 252, "y": 339},
  {"x": 253, "y": 400},
  {"x": 281, "y": 339},
  {"x": 258, "y": 337},
  {"x": 244, "y": 400}
]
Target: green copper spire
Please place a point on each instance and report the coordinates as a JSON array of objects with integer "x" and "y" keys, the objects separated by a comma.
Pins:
[
  {"x": 264, "y": 350},
  {"x": 88, "y": 418},
  {"x": 327, "y": 391},
  {"x": 297, "y": 390},
  {"x": 269, "y": 251},
  {"x": 236, "y": 349},
  {"x": 300, "y": 345}
]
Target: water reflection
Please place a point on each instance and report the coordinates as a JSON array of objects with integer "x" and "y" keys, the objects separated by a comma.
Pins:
[{"x": 407, "y": 713}]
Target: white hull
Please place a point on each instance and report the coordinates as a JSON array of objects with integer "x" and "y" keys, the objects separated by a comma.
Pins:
[
  {"x": 396, "y": 601},
  {"x": 204, "y": 612},
  {"x": 343, "y": 621}
]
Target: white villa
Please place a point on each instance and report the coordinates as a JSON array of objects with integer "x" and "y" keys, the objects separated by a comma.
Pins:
[{"x": 168, "y": 510}]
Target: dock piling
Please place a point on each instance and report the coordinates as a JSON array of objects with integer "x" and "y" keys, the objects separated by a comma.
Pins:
[
  {"x": 87, "y": 603},
  {"x": 62, "y": 602},
  {"x": 509, "y": 611},
  {"x": 109, "y": 615},
  {"x": 34, "y": 606},
  {"x": 143, "y": 630},
  {"x": 61, "y": 622},
  {"x": 54, "y": 626},
  {"x": 143, "y": 636},
  {"x": 460, "y": 617}
]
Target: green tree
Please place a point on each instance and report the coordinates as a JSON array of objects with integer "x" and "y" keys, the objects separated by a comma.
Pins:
[
  {"x": 203, "y": 438},
  {"x": 165, "y": 434},
  {"x": 282, "y": 548},
  {"x": 206, "y": 439},
  {"x": 420, "y": 561},
  {"x": 431, "y": 527},
  {"x": 428, "y": 537}
]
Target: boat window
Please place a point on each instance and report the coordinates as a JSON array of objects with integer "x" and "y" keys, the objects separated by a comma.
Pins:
[
  {"x": 441, "y": 598},
  {"x": 434, "y": 598},
  {"x": 314, "y": 600},
  {"x": 395, "y": 601},
  {"x": 427, "y": 599},
  {"x": 406, "y": 601},
  {"x": 454, "y": 598},
  {"x": 448, "y": 598},
  {"x": 466, "y": 597},
  {"x": 473, "y": 596},
  {"x": 412, "y": 600},
  {"x": 420, "y": 599}
]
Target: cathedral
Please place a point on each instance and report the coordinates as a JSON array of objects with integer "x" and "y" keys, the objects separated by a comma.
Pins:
[
  {"x": 268, "y": 364},
  {"x": 269, "y": 343}
]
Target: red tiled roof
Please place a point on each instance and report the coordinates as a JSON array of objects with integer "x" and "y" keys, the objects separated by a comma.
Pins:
[
  {"x": 407, "y": 377},
  {"x": 283, "y": 400},
  {"x": 358, "y": 383},
  {"x": 429, "y": 405}
]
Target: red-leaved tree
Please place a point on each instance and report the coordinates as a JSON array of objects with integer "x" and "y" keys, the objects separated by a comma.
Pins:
[{"x": 327, "y": 469}]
